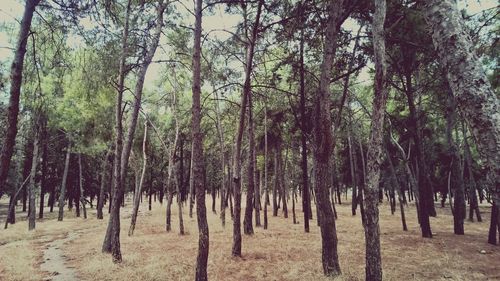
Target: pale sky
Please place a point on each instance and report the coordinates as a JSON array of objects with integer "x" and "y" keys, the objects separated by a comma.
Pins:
[{"x": 11, "y": 11}]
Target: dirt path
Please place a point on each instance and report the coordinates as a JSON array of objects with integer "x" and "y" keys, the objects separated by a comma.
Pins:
[{"x": 54, "y": 260}]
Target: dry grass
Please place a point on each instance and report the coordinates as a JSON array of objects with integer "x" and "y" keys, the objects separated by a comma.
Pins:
[{"x": 283, "y": 252}]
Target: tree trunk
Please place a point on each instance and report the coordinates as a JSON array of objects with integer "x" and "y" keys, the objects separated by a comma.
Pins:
[
  {"x": 323, "y": 144},
  {"x": 306, "y": 200},
  {"x": 247, "y": 221},
  {"x": 354, "y": 203},
  {"x": 11, "y": 213},
  {"x": 43, "y": 182},
  {"x": 111, "y": 243},
  {"x": 100, "y": 200},
  {"x": 373, "y": 257},
  {"x": 198, "y": 162},
  {"x": 191, "y": 186},
  {"x": 16, "y": 81},
  {"x": 223, "y": 190},
  {"x": 32, "y": 184},
  {"x": 236, "y": 248},
  {"x": 82, "y": 196},
  {"x": 258, "y": 184},
  {"x": 476, "y": 100},
  {"x": 62, "y": 192},
  {"x": 457, "y": 182},
  {"x": 492, "y": 234},
  {"x": 474, "y": 206},
  {"x": 138, "y": 190},
  {"x": 284, "y": 189},
  {"x": 266, "y": 190},
  {"x": 400, "y": 190}
]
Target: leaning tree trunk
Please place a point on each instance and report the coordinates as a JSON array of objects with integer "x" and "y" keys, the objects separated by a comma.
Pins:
[
  {"x": 476, "y": 100},
  {"x": 198, "y": 162},
  {"x": 16, "y": 80},
  {"x": 138, "y": 190},
  {"x": 236, "y": 248},
  {"x": 62, "y": 192},
  {"x": 323, "y": 144},
  {"x": 32, "y": 184},
  {"x": 373, "y": 258}
]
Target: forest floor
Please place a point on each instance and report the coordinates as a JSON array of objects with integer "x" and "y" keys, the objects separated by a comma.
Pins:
[{"x": 283, "y": 252}]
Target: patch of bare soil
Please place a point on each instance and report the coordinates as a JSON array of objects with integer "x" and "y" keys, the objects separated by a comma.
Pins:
[{"x": 54, "y": 260}]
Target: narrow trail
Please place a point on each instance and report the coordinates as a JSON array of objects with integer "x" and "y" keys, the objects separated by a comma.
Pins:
[{"x": 54, "y": 260}]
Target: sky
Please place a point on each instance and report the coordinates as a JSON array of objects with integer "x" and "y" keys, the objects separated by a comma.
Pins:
[{"x": 11, "y": 12}]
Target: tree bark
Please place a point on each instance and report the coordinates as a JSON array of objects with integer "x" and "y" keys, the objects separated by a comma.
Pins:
[
  {"x": 266, "y": 190},
  {"x": 43, "y": 182},
  {"x": 373, "y": 257},
  {"x": 247, "y": 221},
  {"x": 32, "y": 184},
  {"x": 236, "y": 248},
  {"x": 306, "y": 200},
  {"x": 62, "y": 192},
  {"x": 138, "y": 191},
  {"x": 111, "y": 243},
  {"x": 476, "y": 100},
  {"x": 16, "y": 78},
  {"x": 457, "y": 181},
  {"x": 323, "y": 144},
  {"x": 100, "y": 200},
  {"x": 198, "y": 162},
  {"x": 82, "y": 196},
  {"x": 474, "y": 206}
]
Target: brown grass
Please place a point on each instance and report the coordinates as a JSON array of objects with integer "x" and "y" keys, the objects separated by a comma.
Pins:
[{"x": 283, "y": 252}]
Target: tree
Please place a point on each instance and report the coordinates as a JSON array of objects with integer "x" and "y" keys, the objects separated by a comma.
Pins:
[
  {"x": 250, "y": 52},
  {"x": 475, "y": 98},
  {"x": 323, "y": 144},
  {"x": 197, "y": 161},
  {"x": 16, "y": 80},
  {"x": 373, "y": 268}
]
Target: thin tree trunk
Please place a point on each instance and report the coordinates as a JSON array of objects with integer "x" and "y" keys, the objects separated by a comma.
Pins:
[
  {"x": 247, "y": 221},
  {"x": 474, "y": 206},
  {"x": 258, "y": 184},
  {"x": 266, "y": 191},
  {"x": 198, "y": 161},
  {"x": 62, "y": 192},
  {"x": 456, "y": 180},
  {"x": 138, "y": 190},
  {"x": 223, "y": 190},
  {"x": 396, "y": 182},
  {"x": 306, "y": 200},
  {"x": 111, "y": 243},
  {"x": 16, "y": 81},
  {"x": 32, "y": 184},
  {"x": 12, "y": 204},
  {"x": 236, "y": 248},
  {"x": 82, "y": 196},
  {"x": 100, "y": 200},
  {"x": 43, "y": 182}
]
